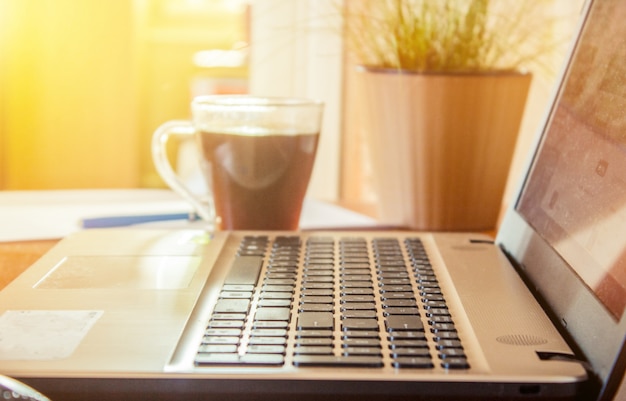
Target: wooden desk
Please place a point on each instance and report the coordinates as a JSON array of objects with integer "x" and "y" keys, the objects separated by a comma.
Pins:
[{"x": 15, "y": 257}]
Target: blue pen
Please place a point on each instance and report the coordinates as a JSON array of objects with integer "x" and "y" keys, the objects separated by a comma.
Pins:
[{"x": 120, "y": 221}]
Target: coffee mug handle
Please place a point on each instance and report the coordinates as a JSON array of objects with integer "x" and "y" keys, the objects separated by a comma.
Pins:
[{"x": 160, "y": 137}]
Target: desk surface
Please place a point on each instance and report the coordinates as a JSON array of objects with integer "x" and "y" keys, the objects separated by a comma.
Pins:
[{"x": 15, "y": 257}]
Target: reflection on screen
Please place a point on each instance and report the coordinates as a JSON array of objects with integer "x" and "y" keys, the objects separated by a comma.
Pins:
[{"x": 576, "y": 195}]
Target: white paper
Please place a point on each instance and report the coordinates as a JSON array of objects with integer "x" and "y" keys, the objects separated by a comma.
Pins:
[
  {"x": 43, "y": 335},
  {"x": 36, "y": 215}
]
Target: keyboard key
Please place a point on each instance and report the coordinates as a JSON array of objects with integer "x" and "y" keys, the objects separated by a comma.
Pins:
[
  {"x": 356, "y": 277},
  {"x": 306, "y": 286},
  {"x": 319, "y": 261},
  {"x": 439, "y": 319},
  {"x": 236, "y": 294},
  {"x": 347, "y": 271},
  {"x": 280, "y": 281},
  {"x": 423, "y": 352},
  {"x": 451, "y": 353},
  {"x": 432, "y": 297},
  {"x": 437, "y": 312},
  {"x": 359, "y": 324},
  {"x": 401, "y": 311},
  {"x": 351, "y": 266},
  {"x": 244, "y": 270},
  {"x": 441, "y": 344},
  {"x": 285, "y": 262},
  {"x": 220, "y": 340},
  {"x": 315, "y": 320},
  {"x": 394, "y": 275},
  {"x": 317, "y": 292},
  {"x": 277, "y": 295},
  {"x": 455, "y": 363},
  {"x": 318, "y": 279},
  {"x": 218, "y": 349},
  {"x": 357, "y": 298},
  {"x": 358, "y": 314},
  {"x": 361, "y": 351},
  {"x": 267, "y": 341},
  {"x": 357, "y": 291},
  {"x": 314, "y": 333},
  {"x": 268, "y": 324},
  {"x": 277, "y": 288},
  {"x": 316, "y": 300},
  {"x": 407, "y": 335},
  {"x": 350, "y": 259},
  {"x": 390, "y": 303},
  {"x": 318, "y": 342},
  {"x": 269, "y": 333},
  {"x": 358, "y": 306},
  {"x": 397, "y": 295},
  {"x": 235, "y": 359},
  {"x": 318, "y": 272},
  {"x": 312, "y": 350},
  {"x": 274, "y": 303},
  {"x": 361, "y": 342},
  {"x": 408, "y": 344},
  {"x": 229, "y": 316},
  {"x": 312, "y": 267},
  {"x": 280, "y": 276},
  {"x": 266, "y": 349},
  {"x": 446, "y": 335},
  {"x": 223, "y": 332},
  {"x": 413, "y": 362},
  {"x": 439, "y": 327},
  {"x": 403, "y": 323},
  {"x": 281, "y": 314},
  {"x": 225, "y": 324},
  {"x": 238, "y": 287},
  {"x": 232, "y": 306},
  {"x": 338, "y": 361},
  {"x": 394, "y": 281},
  {"x": 356, "y": 284},
  {"x": 434, "y": 304},
  {"x": 360, "y": 334},
  {"x": 396, "y": 288},
  {"x": 315, "y": 308}
]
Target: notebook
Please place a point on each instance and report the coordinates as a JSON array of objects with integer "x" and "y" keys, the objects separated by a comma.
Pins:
[{"x": 186, "y": 314}]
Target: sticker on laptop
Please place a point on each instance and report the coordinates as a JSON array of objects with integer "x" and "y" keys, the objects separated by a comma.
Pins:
[{"x": 42, "y": 334}]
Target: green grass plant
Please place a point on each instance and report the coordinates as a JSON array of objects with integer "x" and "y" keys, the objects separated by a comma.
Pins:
[{"x": 452, "y": 35}]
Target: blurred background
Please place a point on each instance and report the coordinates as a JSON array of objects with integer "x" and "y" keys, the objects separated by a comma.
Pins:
[{"x": 84, "y": 83}]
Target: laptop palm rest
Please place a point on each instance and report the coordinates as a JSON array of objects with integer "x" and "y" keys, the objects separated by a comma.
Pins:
[{"x": 121, "y": 272}]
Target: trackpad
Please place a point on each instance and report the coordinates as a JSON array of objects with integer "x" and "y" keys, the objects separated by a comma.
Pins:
[{"x": 121, "y": 272}]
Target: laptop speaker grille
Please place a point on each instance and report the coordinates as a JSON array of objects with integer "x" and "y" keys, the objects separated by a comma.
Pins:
[{"x": 521, "y": 339}]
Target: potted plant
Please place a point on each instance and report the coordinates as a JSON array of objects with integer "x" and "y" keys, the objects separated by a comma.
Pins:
[{"x": 444, "y": 85}]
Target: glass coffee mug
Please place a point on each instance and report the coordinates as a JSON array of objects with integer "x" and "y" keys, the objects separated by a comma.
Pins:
[{"x": 256, "y": 154}]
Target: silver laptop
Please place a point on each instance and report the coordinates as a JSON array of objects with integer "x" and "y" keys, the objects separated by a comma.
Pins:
[{"x": 186, "y": 314}]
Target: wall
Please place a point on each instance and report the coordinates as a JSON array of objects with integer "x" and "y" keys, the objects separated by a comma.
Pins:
[
  {"x": 84, "y": 83},
  {"x": 67, "y": 95}
]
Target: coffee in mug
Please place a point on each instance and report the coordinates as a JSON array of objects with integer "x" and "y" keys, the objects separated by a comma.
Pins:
[{"x": 256, "y": 154}]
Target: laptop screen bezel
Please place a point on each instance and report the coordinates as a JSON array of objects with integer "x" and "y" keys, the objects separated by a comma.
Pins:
[{"x": 597, "y": 335}]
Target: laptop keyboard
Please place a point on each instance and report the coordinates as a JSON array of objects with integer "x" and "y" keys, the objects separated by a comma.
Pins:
[{"x": 326, "y": 301}]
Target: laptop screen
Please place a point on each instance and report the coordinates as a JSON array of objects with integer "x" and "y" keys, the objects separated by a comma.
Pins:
[{"x": 575, "y": 196}]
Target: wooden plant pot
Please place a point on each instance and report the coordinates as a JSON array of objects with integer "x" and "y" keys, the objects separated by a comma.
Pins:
[{"x": 441, "y": 144}]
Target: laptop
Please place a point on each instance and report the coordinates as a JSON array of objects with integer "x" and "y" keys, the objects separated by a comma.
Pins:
[{"x": 187, "y": 314}]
